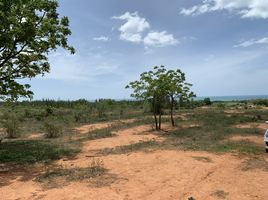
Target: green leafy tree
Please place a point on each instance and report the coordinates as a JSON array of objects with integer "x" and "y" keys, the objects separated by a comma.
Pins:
[
  {"x": 151, "y": 88},
  {"x": 160, "y": 87},
  {"x": 29, "y": 30},
  {"x": 177, "y": 89}
]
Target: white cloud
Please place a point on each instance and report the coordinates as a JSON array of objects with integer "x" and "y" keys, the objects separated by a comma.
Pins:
[
  {"x": 101, "y": 38},
  {"x": 253, "y": 42},
  {"x": 195, "y": 10},
  {"x": 78, "y": 67},
  {"x": 245, "y": 8},
  {"x": 159, "y": 39},
  {"x": 133, "y": 28}
]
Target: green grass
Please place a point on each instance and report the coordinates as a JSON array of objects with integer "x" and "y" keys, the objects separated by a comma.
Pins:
[
  {"x": 140, "y": 146},
  {"x": 215, "y": 128},
  {"x": 28, "y": 152},
  {"x": 212, "y": 134}
]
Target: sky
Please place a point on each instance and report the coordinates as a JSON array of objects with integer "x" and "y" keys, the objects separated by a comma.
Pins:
[{"x": 221, "y": 45}]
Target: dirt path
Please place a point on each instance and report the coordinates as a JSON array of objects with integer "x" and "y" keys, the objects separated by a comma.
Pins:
[
  {"x": 157, "y": 175},
  {"x": 91, "y": 127}
]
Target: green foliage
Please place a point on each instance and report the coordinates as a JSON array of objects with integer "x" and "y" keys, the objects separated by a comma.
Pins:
[
  {"x": 49, "y": 111},
  {"x": 144, "y": 145},
  {"x": 27, "y": 152},
  {"x": 221, "y": 105},
  {"x": 12, "y": 126},
  {"x": 53, "y": 129},
  {"x": 261, "y": 102},
  {"x": 159, "y": 87},
  {"x": 207, "y": 101},
  {"x": 29, "y": 31},
  {"x": 213, "y": 133}
]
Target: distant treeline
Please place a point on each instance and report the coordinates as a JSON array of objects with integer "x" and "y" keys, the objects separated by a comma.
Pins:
[
  {"x": 124, "y": 103},
  {"x": 75, "y": 103}
]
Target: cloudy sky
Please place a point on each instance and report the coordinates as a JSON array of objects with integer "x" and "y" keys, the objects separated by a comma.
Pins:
[{"x": 221, "y": 45}]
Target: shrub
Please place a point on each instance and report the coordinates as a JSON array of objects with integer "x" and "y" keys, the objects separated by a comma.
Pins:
[
  {"x": 52, "y": 130},
  {"x": 12, "y": 126},
  {"x": 261, "y": 102},
  {"x": 221, "y": 105},
  {"x": 49, "y": 111},
  {"x": 82, "y": 117},
  {"x": 207, "y": 101},
  {"x": 2, "y": 137},
  {"x": 27, "y": 113}
]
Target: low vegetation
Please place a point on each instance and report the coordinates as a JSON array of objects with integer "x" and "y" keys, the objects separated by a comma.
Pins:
[
  {"x": 32, "y": 151},
  {"x": 95, "y": 168},
  {"x": 213, "y": 128},
  {"x": 53, "y": 130},
  {"x": 11, "y": 126}
]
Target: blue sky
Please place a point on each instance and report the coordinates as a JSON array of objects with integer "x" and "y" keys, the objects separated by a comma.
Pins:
[{"x": 221, "y": 45}]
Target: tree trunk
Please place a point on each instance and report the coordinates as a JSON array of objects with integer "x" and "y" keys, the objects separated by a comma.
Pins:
[
  {"x": 159, "y": 121},
  {"x": 155, "y": 121},
  {"x": 171, "y": 111},
  {"x": 155, "y": 113}
]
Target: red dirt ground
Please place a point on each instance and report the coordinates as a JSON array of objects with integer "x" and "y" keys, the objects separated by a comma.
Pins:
[{"x": 152, "y": 175}]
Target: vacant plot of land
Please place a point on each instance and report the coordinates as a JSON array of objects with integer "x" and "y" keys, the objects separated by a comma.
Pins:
[{"x": 208, "y": 156}]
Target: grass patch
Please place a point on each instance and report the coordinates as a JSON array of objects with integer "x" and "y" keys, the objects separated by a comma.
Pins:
[
  {"x": 220, "y": 194},
  {"x": 74, "y": 174},
  {"x": 109, "y": 131},
  {"x": 129, "y": 148},
  {"x": 100, "y": 133},
  {"x": 216, "y": 127},
  {"x": 255, "y": 163},
  {"x": 28, "y": 152},
  {"x": 244, "y": 147}
]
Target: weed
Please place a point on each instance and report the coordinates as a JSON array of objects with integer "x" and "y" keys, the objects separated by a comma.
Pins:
[
  {"x": 12, "y": 126},
  {"x": 94, "y": 169},
  {"x": 215, "y": 128},
  {"x": 27, "y": 152},
  {"x": 220, "y": 194},
  {"x": 130, "y": 148},
  {"x": 52, "y": 130}
]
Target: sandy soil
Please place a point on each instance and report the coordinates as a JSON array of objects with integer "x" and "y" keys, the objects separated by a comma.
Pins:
[
  {"x": 36, "y": 136},
  {"x": 232, "y": 111},
  {"x": 250, "y": 138},
  {"x": 153, "y": 175},
  {"x": 91, "y": 127},
  {"x": 263, "y": 126}
]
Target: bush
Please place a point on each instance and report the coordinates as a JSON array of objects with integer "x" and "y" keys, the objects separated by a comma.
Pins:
[
  {"x": 221, "y": 105},
  {"x": 261, "y": 102},
  {"x": 49, "y": 111},
  {"x": 2, "y": 137},
  {"x": 12, "y": 126},
  {"x": 27, "y": 113},
  {"x": 52, "y": 130},
  {"x": 82, "y": 117},
  {"x": 207, "y": 102}
]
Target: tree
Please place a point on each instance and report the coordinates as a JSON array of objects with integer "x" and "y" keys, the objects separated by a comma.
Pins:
[
  {"x": 207, "y": 101},
  {"x": 178, "y": 89},
  {"x": 151, "y": 88},
  {"x": 30, "y": 29},
  {"x": 159, "y": 87}
]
